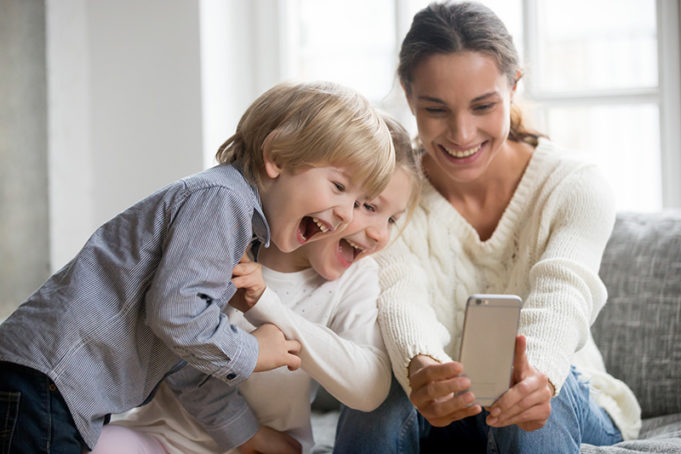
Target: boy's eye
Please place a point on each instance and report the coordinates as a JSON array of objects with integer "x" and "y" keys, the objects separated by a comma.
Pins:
[
  {"x": 356, "y": 205},
  {"x": 392, "y": 220},
  {"x": 369, "y": 207},
  {"x": 434, "y": 110},
  {"x": 339, "y": 186}
]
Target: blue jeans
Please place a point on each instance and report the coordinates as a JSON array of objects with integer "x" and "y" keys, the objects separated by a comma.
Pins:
[
  {"x": 34, "y": 417},
  {"x": 396, "y": 427}
]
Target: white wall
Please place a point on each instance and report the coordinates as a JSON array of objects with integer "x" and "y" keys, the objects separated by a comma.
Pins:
[
  {"x": 241, "y": 56},
  {"x": 143, "y": 93},
  {"x": 24, "y": 238},
  {"x": 124, "y": 83}
]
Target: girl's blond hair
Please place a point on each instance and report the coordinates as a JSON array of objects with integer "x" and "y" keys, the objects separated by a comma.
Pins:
[
  {"x": 408, "y": 159},
  {"x": 313, "y": 124}
]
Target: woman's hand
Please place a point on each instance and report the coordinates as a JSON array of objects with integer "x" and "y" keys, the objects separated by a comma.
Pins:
[
  {"x": 247, "y": 277},
  {"x": 439, "y": 392},
  {"x": 528, "y": 402},
  {"x": 268, "y": 440}
]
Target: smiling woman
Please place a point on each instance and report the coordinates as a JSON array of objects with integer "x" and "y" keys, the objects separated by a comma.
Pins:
[{"x": 504, "y": 211}]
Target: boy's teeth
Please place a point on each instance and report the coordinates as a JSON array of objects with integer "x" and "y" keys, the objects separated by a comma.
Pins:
[
  {"x": 462, "y": 154},
  {"x": 321, "y": 226}
]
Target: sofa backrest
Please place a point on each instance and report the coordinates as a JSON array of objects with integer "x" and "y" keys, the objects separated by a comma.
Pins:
[{"x": 639, "y": 329}]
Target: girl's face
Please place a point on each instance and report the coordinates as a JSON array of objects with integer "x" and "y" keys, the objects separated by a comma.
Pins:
[
  {"x": 462, "y": 106},
  {"x": 369, "y": 231}
]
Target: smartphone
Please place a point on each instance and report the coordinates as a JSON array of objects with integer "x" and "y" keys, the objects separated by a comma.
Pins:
[{"x": 488, "y": 343}]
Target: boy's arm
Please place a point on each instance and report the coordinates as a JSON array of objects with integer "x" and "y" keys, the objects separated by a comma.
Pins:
[
  {"x": 216, "y": 406},
  {"x": 208, "y": 231},
  {"x": 347, "y": 358}
]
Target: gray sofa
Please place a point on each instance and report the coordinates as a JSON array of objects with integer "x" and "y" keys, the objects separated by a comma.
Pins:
[{"x": 638, "y": 331}]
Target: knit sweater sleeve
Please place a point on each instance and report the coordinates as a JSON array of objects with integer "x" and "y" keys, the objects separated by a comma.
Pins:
[
  {"x": 408, "y": 323},
  {"x": 566, "y": 292}
]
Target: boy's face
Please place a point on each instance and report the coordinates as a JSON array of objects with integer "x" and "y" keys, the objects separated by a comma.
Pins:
[
  {"x": 307, "y": 204},
  {"x": 369, "y": 231}
]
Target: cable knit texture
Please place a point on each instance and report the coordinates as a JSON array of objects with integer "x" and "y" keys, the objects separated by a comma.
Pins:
[{"x": 546, "y": 248}]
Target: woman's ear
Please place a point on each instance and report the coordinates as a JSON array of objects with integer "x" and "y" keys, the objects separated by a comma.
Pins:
[
  {"x": 518, "y": 76},
  {"x": 272, "y": 169}
]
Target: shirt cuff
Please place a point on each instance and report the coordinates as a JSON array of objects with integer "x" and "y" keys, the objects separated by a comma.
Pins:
[{"x": 240, "y": 428}]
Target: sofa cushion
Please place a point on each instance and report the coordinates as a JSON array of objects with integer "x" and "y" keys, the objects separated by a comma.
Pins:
[{"x": 639, "y": 329}]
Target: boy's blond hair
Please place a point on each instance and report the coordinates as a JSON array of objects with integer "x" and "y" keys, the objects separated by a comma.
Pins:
[{"x": 313, "y": 124}]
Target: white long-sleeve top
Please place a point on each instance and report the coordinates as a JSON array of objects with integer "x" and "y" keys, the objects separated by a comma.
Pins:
[
  {"x": 335, "y": 322},
  {"x": 546, "y": 248}
]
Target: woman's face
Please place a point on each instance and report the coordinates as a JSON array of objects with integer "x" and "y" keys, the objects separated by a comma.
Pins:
[{"x": 462, "y": 106}]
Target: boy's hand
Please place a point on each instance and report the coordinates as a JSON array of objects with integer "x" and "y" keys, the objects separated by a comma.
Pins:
[
  {"x": 247, "y": 277},
  {"x": 275, "y": 351},
  {"x": 267, "y": 440}
]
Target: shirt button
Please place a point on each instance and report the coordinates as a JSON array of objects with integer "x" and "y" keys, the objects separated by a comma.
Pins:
[{"x": 231, "y": 376}]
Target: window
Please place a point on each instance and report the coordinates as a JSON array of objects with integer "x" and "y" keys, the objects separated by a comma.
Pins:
[{"x": 596, "y": 72}]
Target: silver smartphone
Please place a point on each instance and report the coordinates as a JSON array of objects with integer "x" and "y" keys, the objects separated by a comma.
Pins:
[{"x": 488, "y": 342}]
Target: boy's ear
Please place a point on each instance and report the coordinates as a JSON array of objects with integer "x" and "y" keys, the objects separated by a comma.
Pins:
[{"x": 272, "y": 169}]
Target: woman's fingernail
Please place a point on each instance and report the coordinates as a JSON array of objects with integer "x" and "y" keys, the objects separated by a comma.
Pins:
[{"x": 495, "y": 411}]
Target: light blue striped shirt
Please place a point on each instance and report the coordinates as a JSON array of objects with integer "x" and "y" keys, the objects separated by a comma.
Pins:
[{"x": 143, "y": 298}]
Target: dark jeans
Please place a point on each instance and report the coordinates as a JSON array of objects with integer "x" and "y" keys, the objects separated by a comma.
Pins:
[{"x": 34, "y": 417}]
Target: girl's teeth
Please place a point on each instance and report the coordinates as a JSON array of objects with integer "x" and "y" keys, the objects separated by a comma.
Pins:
[
  {"x": 356, "y": 246},
  {"x": 464, "y": 153},
  {"x": 321, "y": 226}
]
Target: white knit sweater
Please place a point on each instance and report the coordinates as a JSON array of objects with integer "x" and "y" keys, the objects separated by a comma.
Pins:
[{"x": 547, "y": 249}]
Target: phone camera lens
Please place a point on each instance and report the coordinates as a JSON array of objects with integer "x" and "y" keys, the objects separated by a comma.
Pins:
[{"x": 478, "y": 302}]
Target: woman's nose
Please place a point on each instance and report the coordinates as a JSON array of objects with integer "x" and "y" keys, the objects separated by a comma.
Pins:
[{"x": 461, "y": 129}]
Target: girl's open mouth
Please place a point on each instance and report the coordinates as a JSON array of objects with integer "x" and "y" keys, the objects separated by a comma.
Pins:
[{"x": 348, "y": 252}]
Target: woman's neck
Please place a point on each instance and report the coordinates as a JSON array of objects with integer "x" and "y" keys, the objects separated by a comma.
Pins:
[{"x": 483, "y": 201}]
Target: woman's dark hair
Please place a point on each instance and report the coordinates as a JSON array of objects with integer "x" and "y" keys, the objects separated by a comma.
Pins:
[{"x": 445, "y": 28}]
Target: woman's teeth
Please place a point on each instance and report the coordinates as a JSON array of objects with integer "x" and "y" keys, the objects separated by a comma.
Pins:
[
  {"x": 321, "y": 225},
  {"x": 463, "y": 153}
]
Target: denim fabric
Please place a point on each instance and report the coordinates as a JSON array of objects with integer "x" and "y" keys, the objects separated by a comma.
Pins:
[
  {"x": 396, "y": 427},
  {"x": 35, "y": 418}
]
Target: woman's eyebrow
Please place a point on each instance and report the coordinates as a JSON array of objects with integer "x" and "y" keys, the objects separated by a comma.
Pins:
[
  {"x": 485, "y": 96},
  {"x": 431, "y": 99},
  {"x": 476, "y": 99}
]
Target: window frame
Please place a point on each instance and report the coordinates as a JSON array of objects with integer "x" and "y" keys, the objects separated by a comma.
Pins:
[{"x": 667, "y": 95}]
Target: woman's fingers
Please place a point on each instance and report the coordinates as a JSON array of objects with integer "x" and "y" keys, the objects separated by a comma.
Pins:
[
  {"x": 528, "y": 401},
  {"x": 440, "y": 394},
  {"x": 434, "y": 373}
]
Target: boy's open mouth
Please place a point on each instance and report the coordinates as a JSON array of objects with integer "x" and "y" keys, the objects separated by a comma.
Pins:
[{"x": 310, "y": 226}]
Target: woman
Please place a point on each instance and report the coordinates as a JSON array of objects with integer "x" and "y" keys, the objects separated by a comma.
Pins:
[{"x": 502, "y": 212}]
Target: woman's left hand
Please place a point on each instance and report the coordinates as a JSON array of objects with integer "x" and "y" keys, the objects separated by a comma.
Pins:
[{"x": 528, "y": 402}]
